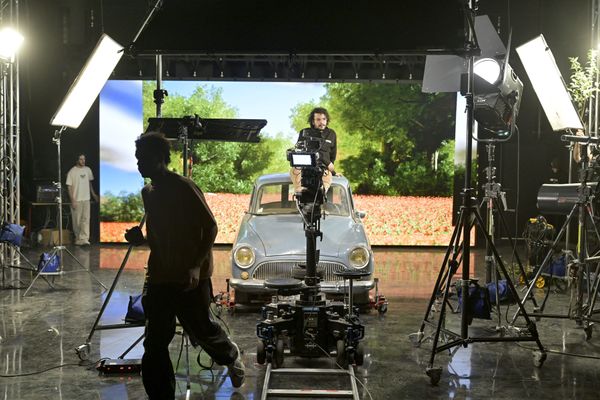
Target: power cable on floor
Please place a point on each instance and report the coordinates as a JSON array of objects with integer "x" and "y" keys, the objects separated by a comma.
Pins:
[{"x": 51, "y": 368}]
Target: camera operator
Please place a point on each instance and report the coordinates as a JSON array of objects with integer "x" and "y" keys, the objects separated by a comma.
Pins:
[{"x": 318, "y": 120}]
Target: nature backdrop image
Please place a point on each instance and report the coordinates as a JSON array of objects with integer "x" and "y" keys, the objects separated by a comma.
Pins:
[{"x": 395, "y": 146}]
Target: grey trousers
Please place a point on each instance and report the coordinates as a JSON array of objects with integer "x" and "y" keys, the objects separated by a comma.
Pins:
[{"x": 81, "y": 222}]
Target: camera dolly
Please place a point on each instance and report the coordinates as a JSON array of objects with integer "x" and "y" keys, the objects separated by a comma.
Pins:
[{"x": 310, "y": 326}]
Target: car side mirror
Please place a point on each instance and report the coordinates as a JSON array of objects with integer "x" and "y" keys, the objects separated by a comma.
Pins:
[{"x": 360, "y": 214}]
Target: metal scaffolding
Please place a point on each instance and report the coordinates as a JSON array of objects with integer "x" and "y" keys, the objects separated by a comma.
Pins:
[
  {"x": 592, "y": 122},
  {"x": 9, "y": 134}
]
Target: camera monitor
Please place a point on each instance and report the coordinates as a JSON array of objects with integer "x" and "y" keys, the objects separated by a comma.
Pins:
[{"x": 303, "y": 159}]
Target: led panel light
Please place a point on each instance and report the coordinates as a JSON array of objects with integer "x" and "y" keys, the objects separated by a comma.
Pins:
[
  {"x": 89, "y": 82},
  {"x": 548, "y": 84}
]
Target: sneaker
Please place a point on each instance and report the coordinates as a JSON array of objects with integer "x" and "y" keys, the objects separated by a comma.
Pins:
[{"x": 236, "y": 370}]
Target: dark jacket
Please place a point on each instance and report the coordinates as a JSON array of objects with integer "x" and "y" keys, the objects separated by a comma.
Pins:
[
  {"x": 328, "y": 144},
  {"x": 181, "y": 230}
]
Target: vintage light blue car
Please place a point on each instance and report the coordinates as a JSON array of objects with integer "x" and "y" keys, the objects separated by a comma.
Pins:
[{"x": 271, "y": 241}]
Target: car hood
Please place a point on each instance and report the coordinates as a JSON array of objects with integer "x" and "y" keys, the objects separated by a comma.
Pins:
[{"x": 284, "y": 234}]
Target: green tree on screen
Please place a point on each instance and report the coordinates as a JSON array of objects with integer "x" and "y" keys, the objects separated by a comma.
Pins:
[
  {"x": 219, "y": 166},
  {"x": 389, "y": 136}
]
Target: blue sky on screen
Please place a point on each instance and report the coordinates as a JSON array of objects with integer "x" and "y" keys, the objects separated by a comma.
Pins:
[{"x": 121, "y": 119}]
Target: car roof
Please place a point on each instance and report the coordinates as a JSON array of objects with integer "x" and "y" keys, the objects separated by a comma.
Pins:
[{"x": 285, "y": 178}]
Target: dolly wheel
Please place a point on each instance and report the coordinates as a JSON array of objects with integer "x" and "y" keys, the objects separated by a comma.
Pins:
[
  {"x": 278, "y": 356},
  {"x": 342, "y": 358},
  {"x": 359, "y": 355},
  {"x": 261, "y": 354}
]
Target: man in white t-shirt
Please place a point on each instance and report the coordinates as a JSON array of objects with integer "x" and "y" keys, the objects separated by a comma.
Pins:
[{"x": 80, "y": 192}]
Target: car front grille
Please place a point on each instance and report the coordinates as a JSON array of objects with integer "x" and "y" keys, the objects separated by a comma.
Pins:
[{"x": 283, "y": 269}]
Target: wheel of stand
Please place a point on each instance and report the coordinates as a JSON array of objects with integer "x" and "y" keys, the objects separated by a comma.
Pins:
[
  {"x": 342, "y": 358},
  {"x": 588, "y": 331},
  {"x": 540, "y": 282},
  {"x": 278, "y": 356},
  {"x": 83, "y": 352},
  {"x": 261, "y": 354},
  {"x": 359, "y": 355},
  {"x": 434, "y": 374},
  {"x": 382, "y": 309}
]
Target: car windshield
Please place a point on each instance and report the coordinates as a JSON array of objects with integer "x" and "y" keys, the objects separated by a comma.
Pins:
[{"x": 277, "y": 198}]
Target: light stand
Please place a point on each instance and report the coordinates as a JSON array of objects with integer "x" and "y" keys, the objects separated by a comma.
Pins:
[
  {"x": 57, "y": 250},
  {"x": 579, "y": 270},
  {"x": 494, "y": 200},
  {"x": 461, "y": 253}
]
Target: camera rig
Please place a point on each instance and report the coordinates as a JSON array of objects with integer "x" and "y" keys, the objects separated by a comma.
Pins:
[{"x": 299, "y": 317}]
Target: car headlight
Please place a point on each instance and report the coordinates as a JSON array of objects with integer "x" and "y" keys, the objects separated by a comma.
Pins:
[
  {"x": 359, "y": 257},
  {"x": 243, "y": 256}
]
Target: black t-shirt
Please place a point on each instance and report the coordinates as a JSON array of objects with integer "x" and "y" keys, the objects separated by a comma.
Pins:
[{"x": 328, "y": 145}]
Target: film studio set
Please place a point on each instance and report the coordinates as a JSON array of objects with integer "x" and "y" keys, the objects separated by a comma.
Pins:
[{"x": 224, "y": 199}]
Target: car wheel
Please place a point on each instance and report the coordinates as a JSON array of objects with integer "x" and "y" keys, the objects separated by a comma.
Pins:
[
  {"x": 361, "y": 299},
  {"x": 241, "y": 297}
]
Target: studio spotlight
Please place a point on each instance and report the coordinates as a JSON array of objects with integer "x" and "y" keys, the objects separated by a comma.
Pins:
[
  {"x": 10, "y": 42},
  {"x": 488, "y": 69},
  {"x": 497, "y": 93}
]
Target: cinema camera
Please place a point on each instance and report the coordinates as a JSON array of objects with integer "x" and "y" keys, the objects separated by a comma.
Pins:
[
  {"x": 305, "y": 156},
  {"x": 299, "y": 317}
]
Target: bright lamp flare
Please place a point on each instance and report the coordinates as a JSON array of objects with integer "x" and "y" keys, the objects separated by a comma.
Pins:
[
  {"x": 10, "y": 42},
  {"x": 488, "y": 69}
]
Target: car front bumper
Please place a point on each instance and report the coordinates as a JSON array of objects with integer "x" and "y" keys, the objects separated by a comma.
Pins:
[{"x": 258, "y": 286}]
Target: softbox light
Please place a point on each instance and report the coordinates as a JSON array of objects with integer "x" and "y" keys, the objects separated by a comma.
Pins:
[
  {"x": 86, "y": 87},
  {"x": 548, "y": 84}
]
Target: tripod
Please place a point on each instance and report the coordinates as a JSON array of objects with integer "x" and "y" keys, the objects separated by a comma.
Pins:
[
  {"x": 459, "y": 252},
  {"x": 56, "y": 255},
  {"x": 579, "y": 269}
]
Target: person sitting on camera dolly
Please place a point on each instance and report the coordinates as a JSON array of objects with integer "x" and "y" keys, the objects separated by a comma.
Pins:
[{"x": 326, "y": 137}]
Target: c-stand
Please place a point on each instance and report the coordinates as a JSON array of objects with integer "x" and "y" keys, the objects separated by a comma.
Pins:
[
  {"x": 56, "y": 255},
  {"x": 579, "y": 270},
  {"x": 494, "y": 200},
  {"x": 459, "y": 249}
]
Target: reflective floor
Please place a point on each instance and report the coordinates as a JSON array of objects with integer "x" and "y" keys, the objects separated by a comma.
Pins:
[{"x": 39, "y": 333}]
